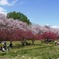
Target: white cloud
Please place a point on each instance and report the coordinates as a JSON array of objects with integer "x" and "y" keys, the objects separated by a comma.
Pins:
[
  {"x": 55, "y": 26},
  {"x": 52, "y": 26},
  {"x": 5, "y": 2},
  {"x": 3, "y": 11}
]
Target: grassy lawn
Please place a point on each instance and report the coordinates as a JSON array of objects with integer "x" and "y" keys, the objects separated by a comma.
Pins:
[{"x": 36, "y": 51}]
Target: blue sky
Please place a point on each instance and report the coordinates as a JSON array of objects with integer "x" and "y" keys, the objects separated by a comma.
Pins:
[{"x": 40, "y": 12}]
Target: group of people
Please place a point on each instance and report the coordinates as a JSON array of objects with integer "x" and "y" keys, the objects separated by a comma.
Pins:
[
  {"x": 4, "y": 46},
  {"x": 56, "y": 42}
]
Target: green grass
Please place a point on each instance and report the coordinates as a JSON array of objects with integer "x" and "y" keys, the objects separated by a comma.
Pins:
[{"x": 37, "y": 51}]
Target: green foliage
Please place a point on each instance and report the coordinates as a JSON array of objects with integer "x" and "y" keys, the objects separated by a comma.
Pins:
[{"x": 18, "y": 15}]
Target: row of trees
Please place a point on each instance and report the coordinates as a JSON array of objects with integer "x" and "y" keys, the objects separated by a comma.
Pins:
[
  {"x": 16, "y": 30},
  {"x": 21, "y": 35}
]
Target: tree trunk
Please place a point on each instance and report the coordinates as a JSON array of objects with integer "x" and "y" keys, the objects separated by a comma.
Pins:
[
  {"x": 32, "y": 42},
  {"x": 23, "y": 42},
  {"x": 48, "y": 40},
  {"x": 11, "y": 44}
]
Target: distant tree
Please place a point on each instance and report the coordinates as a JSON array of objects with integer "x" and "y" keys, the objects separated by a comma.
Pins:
[{"x": 18, "y": 15}]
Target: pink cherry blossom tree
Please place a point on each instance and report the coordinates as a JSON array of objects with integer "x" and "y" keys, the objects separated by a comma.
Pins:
[
  {"x": 15, "y": 30},
  {"x": 49, "y": 36}
]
